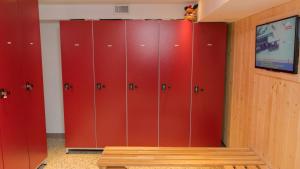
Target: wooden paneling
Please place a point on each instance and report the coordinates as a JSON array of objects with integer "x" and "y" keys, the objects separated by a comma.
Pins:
[{"x": 264, "y": 106}]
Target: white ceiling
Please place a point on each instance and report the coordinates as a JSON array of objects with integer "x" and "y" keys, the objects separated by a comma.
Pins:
[{"x": 114, "y": 1}]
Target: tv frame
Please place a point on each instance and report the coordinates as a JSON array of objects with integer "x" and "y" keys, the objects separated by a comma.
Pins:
[{"x": 296, "y": 47}]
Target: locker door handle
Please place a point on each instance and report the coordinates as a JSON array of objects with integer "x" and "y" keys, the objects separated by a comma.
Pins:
[
  {"x": 132, "y": 86},
  {"x": 4, "y": 93},
  {"x": 68, "y": 86},
  {"x": 165, "y": 87},
  {"x": 100, "y": 86},
  {"x": 196, "y": 89},
  {"x": 28, "y": 86}
]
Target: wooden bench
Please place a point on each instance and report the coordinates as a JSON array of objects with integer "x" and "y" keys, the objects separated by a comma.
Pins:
[{"x": 165, "y": 158}]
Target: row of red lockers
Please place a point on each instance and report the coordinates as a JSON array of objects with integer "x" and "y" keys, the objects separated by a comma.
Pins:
[
  {"x": 22, "y": 118},
  {"x": 143, "y": 83}
]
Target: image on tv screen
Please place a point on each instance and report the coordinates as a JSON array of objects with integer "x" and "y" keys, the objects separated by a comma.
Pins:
[{"x": 275, "y": 45}]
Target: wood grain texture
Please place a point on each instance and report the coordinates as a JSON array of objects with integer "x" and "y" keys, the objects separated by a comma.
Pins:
[
  {"x": 263, "y": 106},
  {"x": 166, "y": 157}
]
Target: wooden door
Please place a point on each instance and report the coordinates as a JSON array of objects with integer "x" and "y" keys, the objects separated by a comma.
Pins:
[
  {"x": 208, "y": 83},
  {"x": 12, "y": 117},
  {"x": 33, "y": 82},
  {"x": 78, "y": 83},
  {"x": 175, "y": 82},
  {"x": 142, "y": 58},
  {"x": 110, "y": 77}
]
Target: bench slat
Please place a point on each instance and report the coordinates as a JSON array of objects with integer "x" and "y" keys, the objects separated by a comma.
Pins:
[
  {"x": 252, "y": 167},
  {"x": 144, "y": 162},
  {"x": 229, "y": 153},
  {"x": 143, "y": 167},
  {"x": 182, "y": 157},
  {"x": 176, "y": 148},
  {"x": 240, "y": 167}
]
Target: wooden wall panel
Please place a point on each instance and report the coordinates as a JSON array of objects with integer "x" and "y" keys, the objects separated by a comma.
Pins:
[{"x": 263, "y": 106}]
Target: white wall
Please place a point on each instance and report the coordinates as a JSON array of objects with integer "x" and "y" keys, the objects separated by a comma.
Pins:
[
  {"x": 106, "y": 11},
  {"x": 52, "y": 77},
  {"x": 208, "y": 6},
  {"x": 50, "y": 15}
]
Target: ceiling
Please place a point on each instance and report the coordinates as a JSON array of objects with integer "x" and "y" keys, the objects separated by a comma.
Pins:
[{"x": 113, "y": 1}]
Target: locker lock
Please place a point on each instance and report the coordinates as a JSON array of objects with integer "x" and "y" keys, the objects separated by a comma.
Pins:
[
  {"x": 164, "y": 87},
  {"x": 100, "y": 86},
  {"x": 28, "y": 86},
  {"x": 132, "y": 86},
  {"x": 197, "y": 89},
  {"x": 4, "y": 94},
  {"x": 68, "y": 86}
]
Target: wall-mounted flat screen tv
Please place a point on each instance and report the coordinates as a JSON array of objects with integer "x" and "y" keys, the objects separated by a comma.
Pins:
[{"x": 277, "y": 45}]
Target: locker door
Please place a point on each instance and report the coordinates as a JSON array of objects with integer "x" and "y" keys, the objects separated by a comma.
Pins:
[
  {"x": 142, "y": 59},
  {"x": 110, "y": 75},
  {"x": 12, "y": 117},
  {"x": 1, "y": 156},
  {"x": 208, "y": 83},
  {"x": 175, "y": 82},
  {"x": 33, "y": 82},
  {"x": 78, "y": 83}
]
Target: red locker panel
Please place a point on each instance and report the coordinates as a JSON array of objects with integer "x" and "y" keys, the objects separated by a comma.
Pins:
[
  {"x": 32, "y": 77},
  {"x": 175, "y": 82},
  {"x": 142, "y": 59},
  {"x": 208, "y": 83},
  {"x": 110, "y": 77},
  {"x": 12, "y": 117},
  {"x": 78, "y": 83},
  {"x": 1, "y": 156}
]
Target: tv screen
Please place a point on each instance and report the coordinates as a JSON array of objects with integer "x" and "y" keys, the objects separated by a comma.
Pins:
[{"x": 277, "y": 45}]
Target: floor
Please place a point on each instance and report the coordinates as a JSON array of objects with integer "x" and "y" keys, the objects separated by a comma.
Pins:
[{"x": 58, "y": 159}]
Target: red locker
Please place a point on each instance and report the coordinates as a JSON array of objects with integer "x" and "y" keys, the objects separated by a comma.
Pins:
[
  {"x": 1, "y": 156},
  {"x": 110, "y": 77},
  {"x": 175, "y": 82},
  {"x": 142, "y": 62},
  {"x": 78, "y": 83},
  {"x": 208, "y": 83},
  {"x": 12, "y": 117},
  {"x": 33, "y": 82}
]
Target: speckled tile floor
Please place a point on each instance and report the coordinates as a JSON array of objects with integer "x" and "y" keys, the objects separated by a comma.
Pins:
[{"x": 58, "y": 159}]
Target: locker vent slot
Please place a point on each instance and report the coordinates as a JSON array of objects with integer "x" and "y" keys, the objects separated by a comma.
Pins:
[{"x": 122, "y": 9}]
